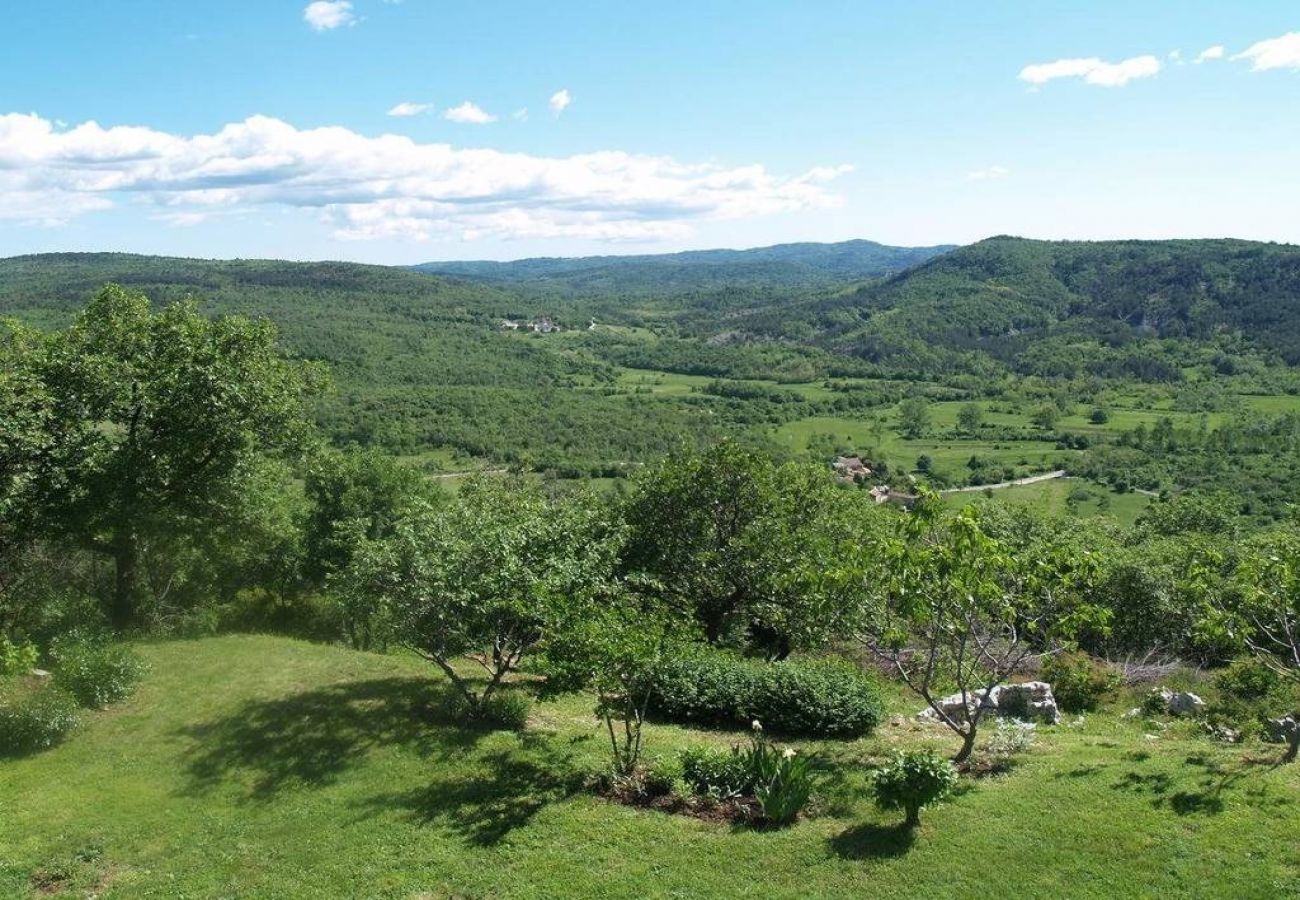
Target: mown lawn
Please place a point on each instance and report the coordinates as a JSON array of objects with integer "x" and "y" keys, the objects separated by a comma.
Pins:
[{"x": 264, "y": 767}]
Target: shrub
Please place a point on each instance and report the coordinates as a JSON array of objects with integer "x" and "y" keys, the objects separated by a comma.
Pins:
[
  {"x": 1248, "y": 679},
  {"x": 662, "y": 777},
  {"x": 1011, "y": 737},
  {"x": 1079, "y": 682},
  {"x": 818, "y": 698},
  {"x": 506, "y": 710},
  {"x": 16, "y": 659},
  {"x": 32, "y": 720},
  {"x": 722, "y": 774},
  {"x": 913, "y": 780},
  {"x": 97, "y": 675}
]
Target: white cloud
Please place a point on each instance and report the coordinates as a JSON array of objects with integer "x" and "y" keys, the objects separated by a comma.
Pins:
[
  {"x": 406, "y": 108},
  {"x": 1275, "y": 53},
  {"x": 1209, "y": 53},
  {"x": 991, "y": 173},
  {"x": 468, "y": 113},
  {"x": 520, "y": 115},
  {"x": 1093, "y": 71},
  {"x": 560, "y": 101},
  {"x": 325, "y": 15},
  {"x": 385, "y": 186}
]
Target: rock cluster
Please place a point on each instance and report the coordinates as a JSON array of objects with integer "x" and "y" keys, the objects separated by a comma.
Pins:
[{"x": 1031, "y": 701}]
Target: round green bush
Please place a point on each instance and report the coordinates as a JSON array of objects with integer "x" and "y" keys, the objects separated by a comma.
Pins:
[
  {"x": 717, "y": 773},
  {"x": 815, "y": 698},
  {"x": 913, "y": 780},
  {"x": 98, "y": 675},
  {"x": 1247, "y": 679},
  {"x": 1079, "y": 682},
  {"x": 35, "y": 719}
]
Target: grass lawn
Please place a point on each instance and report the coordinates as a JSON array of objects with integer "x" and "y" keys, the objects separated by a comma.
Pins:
[
  {"x": 1049, "y": 497},
  {"x": 252, "y": 766}
]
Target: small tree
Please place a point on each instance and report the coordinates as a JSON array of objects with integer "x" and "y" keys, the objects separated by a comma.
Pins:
[
  {"x": 1264, "y": 617},
  {"x": 970, "y": 417},
  {"x": 1045, "y": 416},
  {"x": 617, "y": 652},
  {"x": 913, "y": 417},
  {"x": 912, "y": 781},
  {"x": 946, "y": 603},
  {"x": 488, "y": 577}
]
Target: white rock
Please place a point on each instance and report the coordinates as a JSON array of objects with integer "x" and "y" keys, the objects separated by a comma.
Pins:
[
  {"x": 1032, "y": 701},
  {"x": 1183, "y": 703}
]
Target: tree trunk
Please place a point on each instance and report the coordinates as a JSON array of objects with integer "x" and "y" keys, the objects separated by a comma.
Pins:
[
  {"x": 126, "y": 557},
  {"x": 913, "y": 817},
  {"x": 967, "y": 745},
  {"x": 1293, "y": 745}
]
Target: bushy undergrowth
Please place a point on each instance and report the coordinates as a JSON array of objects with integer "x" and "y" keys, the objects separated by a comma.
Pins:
[
  {"x": 779, "y": 781},
  {"x": 505, "y": 710},
  {"x": 33, "y": 719},
  {"x": 97, "y": 675},
  {"x": 16, "y": 659},
  {"x": 817, "y": 698},
  {"x": 1079, "y": 682}
]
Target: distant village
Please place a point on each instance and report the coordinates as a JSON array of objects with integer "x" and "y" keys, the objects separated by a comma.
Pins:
[
  {"x": 542, "y": 325},
  {"x": 854, "y": 470}
]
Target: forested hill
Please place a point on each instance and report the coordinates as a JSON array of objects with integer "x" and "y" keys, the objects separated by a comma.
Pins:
[
  {"x": 1004, "y": 294},
  {"x": 784, "y": 265}
]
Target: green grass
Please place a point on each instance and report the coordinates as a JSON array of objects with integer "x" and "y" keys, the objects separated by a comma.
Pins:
[
  {"x": 1051, "y": 498},
  {"x": 265, "y": 767}
]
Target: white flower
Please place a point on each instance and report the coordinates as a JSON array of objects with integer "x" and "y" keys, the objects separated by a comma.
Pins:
[
  {"x": 789, "y": 753},
  {"x": 756, "y": 725}
]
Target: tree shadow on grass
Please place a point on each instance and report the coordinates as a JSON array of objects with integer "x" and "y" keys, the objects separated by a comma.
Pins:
[
  {"x": 311, "y": 738},
  {"x": 873, "y": 841},
  {"x": 504, "y": 791},
  {"x": 1211, "y": 781}
]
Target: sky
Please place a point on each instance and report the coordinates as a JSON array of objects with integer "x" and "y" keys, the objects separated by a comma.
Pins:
[{"x": 400, "y": 131}]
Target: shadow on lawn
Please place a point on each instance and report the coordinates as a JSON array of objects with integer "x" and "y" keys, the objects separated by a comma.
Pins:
[
  {"x": 504, "y": 791},
  {"x": 312, "y": 737},
  {"x": 872, "y": 841},
  {"x": 1204, "y": 793}
]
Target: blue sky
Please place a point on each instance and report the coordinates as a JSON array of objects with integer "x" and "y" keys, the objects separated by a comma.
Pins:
[{"x": 257, "y": 127}]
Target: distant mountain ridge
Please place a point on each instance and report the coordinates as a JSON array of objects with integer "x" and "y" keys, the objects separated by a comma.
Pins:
[{"x": 800, "y": 264}]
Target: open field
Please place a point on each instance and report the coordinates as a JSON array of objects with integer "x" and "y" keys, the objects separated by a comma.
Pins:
[{"x": 265, "y": 767}]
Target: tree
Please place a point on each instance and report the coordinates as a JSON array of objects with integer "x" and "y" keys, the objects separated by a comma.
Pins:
[
  {"x": 355, "y": 491},
  {"x": 1264, "y": 618},
  {"x": 617, "y": 652},
  {"x": 913, "y": 417},
  {"x": 1045, "y": 416},
  {"x": 152, "y": 419},
  {"x": 945, "y": 603},
  {"x": 736, "y": 541},
  {"x": 488, "y": 576},
  {"x": 969, "y": 417}
]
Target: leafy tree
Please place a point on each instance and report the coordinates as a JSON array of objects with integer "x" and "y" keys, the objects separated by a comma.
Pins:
[
  {"x": 1045, "y": 416},
  {"x": 617, "y": 652},
  {"x": 355, "y": 491},
  {"x": 969, "y": 417},
  {"x": 945, "y": 603},
  {"x": 151, "y": 418},
  {"x": 1099, "y": 416},
  {"x": 488, "y": 576},
  {"x": 738, "y": 541},
  {"x": 913, "y": 417},
  {"x": 1265, "y": 617}
]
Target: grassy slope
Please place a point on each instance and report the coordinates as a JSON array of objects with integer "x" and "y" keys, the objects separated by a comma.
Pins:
[{"x": 259, "y": 767}]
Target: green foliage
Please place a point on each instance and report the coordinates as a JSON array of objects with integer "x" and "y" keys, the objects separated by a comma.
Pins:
[
  {"x": 913, "y": 417},
  {"x": 822, "y": 698},
  {"x": 1079, "y": 682},
  {"x": 913, "y": 780},
  {"x": 722, "y": 774},
  {"x": 783, "y": 781},
  {"x": 34, "y": 719},
  {"x": 16, "y": 659},
  {"x": 491, "y": 574},
  {"x": 504, "y": 710},
  {"x": 1248, "y": 678},
  {"x": 97, "y": 675}
]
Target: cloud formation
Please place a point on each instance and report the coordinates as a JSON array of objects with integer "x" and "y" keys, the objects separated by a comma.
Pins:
[
  {"x": 1210, "y": 53},
  {"x": 1093, "y": 71},
  {"x": 369, "y": 187},
  {"x": 1275, "y": 53},
  {"x": 992, "y": 172},
  {"x": 326, "y": 15},
  {"x": 406, "y": 108},
  {"x": 468, "y": 113},
  {"x": 560, "y": 101}
]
